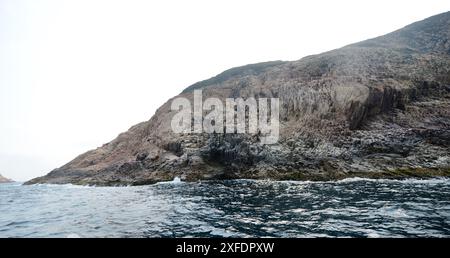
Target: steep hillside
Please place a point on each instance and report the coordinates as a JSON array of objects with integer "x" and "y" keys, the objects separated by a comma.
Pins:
[{"x": 378, "y": 108}]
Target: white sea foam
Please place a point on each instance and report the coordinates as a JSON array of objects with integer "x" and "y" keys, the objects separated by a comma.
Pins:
[
  {"x": 436, "y": 180},
  {"x": 176, "y": 180}
]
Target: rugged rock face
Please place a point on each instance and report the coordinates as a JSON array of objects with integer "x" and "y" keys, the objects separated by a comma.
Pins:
[
  {"x": 4, "y": 179},
  {"x": 378, "y": 108}
]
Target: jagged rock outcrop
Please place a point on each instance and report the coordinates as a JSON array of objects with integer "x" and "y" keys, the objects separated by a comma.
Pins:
[
  {"x": 4, "y": 179},
  {"x": 378, "y": 108}
]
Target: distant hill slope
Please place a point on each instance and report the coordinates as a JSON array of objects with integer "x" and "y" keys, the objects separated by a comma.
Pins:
[
  {"x": 377, "y": 108},
  {"x": 4, "y": 179}
]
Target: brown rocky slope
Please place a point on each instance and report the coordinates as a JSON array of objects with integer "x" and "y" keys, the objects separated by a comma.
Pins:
[{"x": 378, "y": 108}]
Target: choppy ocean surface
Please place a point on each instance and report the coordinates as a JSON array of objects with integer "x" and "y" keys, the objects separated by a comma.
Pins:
[{"x": 240, "y": 208}]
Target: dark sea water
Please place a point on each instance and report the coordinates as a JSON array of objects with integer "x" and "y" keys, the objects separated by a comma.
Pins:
[{"x": 242, "y": 208}]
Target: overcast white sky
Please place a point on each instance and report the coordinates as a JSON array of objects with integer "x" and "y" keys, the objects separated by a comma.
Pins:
[{"x": 74, "y": 74}]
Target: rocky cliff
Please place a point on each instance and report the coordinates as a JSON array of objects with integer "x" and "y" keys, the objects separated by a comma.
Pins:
[{"x": 377, "y": 108}]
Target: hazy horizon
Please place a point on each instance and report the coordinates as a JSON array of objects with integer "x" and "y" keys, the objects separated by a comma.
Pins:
[{"x": 75, "y": 74}]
